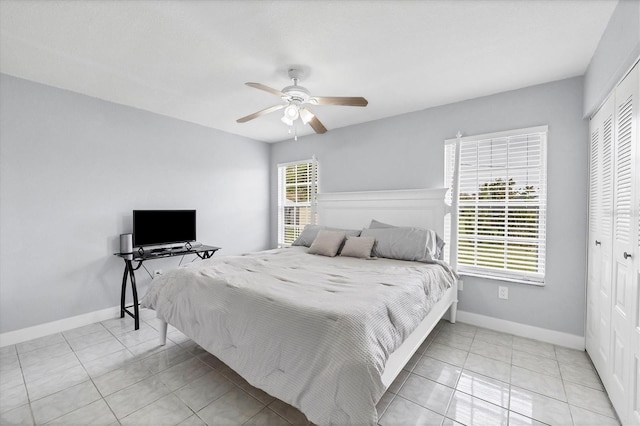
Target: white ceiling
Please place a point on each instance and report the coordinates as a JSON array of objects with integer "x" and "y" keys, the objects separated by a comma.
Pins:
[{"x": 190, "y": 59}]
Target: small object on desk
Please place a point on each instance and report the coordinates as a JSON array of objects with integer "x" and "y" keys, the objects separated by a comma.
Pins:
[{"x": 202, "y": 251}]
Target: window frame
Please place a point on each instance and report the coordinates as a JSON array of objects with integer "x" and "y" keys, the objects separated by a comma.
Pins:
[
  {"x": 452, "y": 180},
  {"x": 284, "y": 203}
]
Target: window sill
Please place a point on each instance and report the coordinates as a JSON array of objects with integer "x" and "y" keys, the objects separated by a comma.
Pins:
[{"x": 502, "y": 278}]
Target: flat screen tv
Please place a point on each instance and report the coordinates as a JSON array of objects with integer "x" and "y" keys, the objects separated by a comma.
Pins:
[{"x": 163, "y": 227}]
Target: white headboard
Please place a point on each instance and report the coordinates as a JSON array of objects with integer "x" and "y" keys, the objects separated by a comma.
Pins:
[{"x": 423, "y": 208}]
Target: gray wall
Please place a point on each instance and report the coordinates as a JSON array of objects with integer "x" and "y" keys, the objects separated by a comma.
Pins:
[
  {"x": 618, "y": 49},
  {"x": 407, "y": 151},
  {"x": 72, "y": 168}
]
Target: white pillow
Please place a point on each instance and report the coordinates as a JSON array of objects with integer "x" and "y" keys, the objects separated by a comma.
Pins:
[
  {"x": 402, "y": 243},
  {"x": 310, "y": 232},
  {"x": 358, "y": 247},
  {"x": 327, "y": 243},
  {"x": 437, "y": 250}
]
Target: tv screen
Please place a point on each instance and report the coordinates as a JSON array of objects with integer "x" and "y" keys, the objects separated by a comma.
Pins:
[{"x": 159, "y": 227}]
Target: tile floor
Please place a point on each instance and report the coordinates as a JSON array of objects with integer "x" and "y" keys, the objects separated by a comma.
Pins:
[{"x": 108, "y": 374}]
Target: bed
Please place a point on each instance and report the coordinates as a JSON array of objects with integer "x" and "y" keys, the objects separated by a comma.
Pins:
[{"x": 327, "y": 335}]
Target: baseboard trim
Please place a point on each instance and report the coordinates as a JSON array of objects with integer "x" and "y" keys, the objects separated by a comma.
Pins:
[
  {"x": 41, "y": 330},
  {"x": 543, "y": 334}
]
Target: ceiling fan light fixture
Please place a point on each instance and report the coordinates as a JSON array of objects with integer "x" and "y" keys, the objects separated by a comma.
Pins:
[
  {"x": 286, "y": 120},
  {"x": 291, "y": 112},
  {"x": 305, "y": 115}
]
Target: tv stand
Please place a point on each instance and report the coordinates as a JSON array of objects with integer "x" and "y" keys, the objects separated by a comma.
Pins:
[{"x": 203, "y": 252}]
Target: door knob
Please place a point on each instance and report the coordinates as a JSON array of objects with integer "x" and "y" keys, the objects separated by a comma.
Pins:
[
  {"x": 626, "y": 255},
  {"x": 598, "y": 243}
]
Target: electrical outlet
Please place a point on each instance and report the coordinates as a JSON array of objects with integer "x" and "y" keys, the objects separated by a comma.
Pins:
[
  {"x": 503, "y": 292},
  {"x": 460, "y": 285},
  {"x": 157, "y": 272}
]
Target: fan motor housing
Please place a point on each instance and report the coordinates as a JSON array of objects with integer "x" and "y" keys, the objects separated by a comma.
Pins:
[{"x": 296, "y": 92}]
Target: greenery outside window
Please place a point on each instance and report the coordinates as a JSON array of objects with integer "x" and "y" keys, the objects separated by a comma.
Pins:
[
  {"x": 498, "y": 189},
  {"x": 297, "y": 190}
]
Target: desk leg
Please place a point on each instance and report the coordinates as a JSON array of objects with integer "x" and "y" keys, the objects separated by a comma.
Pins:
[
  {"x": 136, "y": 309},
  {"x": 124, "y": 288}
]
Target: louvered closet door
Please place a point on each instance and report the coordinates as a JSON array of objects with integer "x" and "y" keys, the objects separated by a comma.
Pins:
[
  {"x": 624, "y": 243},
  {"x": 634, "y": 394},
  {"x": 600, "y": 241}
]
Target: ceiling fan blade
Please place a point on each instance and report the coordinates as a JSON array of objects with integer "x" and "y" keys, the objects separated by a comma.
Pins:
[
  {"x": 259, "y": 113},
  {"x": 335, "y": 100},
  {"x": 266, "y": 89},
  {"x": 309, "y": 118}
]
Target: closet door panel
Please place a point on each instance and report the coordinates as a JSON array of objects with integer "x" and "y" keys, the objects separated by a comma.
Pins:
[
  {"x": 599, "y": 303},
  {"x": 634, "y": 395},
  {"x": 624, "y": 243},
  {"x": 594, "y": 250}
]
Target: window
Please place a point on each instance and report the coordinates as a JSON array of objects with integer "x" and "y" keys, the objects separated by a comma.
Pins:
[
  {"x": 498, "y": 187},
  {"x": 297, "y": 189}
]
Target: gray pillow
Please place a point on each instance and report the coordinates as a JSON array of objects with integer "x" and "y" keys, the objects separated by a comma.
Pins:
[
  {"x": 327, "y": 243},
  {"x": 403, "y": 243},
  {"x": 358, "y": 247},
  {"x": 310, "y": 232},
  {"x": 439, "y": 247}
]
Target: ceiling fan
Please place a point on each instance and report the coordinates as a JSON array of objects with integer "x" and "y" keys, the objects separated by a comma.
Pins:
[{"x": 295, "y": 100}]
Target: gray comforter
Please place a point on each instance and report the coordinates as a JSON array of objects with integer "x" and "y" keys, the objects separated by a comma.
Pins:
[{"x": 310, "y": 330}]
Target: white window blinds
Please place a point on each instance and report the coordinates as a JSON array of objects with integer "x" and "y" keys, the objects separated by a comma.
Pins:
[
  {"x": 501, "y": 203},
  {"x": 297, "y": 190}
]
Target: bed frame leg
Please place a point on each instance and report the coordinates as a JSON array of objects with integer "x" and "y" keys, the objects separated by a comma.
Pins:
[
  {"x": 163, "y": 332},
  {"x": 453, "y": 310}
]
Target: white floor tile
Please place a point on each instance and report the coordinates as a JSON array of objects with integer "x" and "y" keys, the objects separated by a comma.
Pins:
[
  {"x": 136, "y": 396},
  {"x": 40, "y": 371},
  {"x": 13, "y": 397},
  {"x": 453, "y": 339},
  {"x": 447, "y": 354},
  {"x": 471, "y": 411},
  {"x": 405, "y": 412},
  {"x": 539, "y": 407},
  {"x": 64, "y": 402},
  {"x": 234, "y": 407},
  {"x": 536, "y": 347},
  {"x": 11, "y": 378},
  {"x": 460, "y": 328},
  {"x": 121, "y": 378},
  {"x": 426, "y": 393},
  {"x": 582, "y": 376},
  {"x": 38, "y": 356},
  {"x": 39, "y": 343},
  {"x": 584, "y": 417},
  {"x": 267, "y": 417},
  {"x": 439, "y": 371},
  {"x": 491, "y": 350},
  {"x": 18, "y": 416},
  {"x": 591, "y": 399},
  {"x": 206, "y": 389},
  {"x": 494, "y": 337},
  {"x": 536, "y": 382},
  {"x": 96, "y": 414},
  {"x": 489, "y": 367},
  {"x": 181, "y": 374},
  {"x": 485, "y": 388},
  {"x": 535, "y": 362},
  {"x": 56, "y": 382},
  {"x": 168, "y": 410}
]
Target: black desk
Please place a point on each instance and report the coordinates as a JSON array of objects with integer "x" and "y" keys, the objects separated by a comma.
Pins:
[{"x": 203, "y": 252}]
